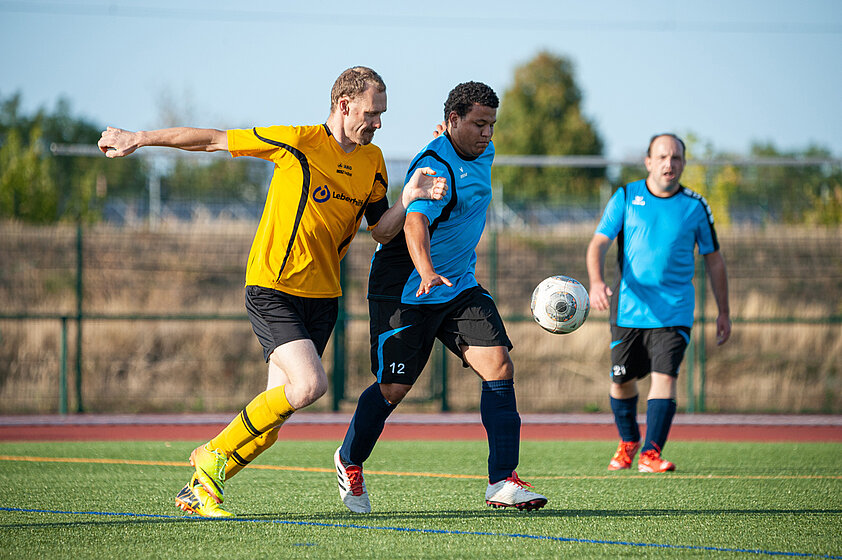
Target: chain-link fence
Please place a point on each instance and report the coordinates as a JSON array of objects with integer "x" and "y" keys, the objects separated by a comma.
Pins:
[{"x": 149, "y": 316}]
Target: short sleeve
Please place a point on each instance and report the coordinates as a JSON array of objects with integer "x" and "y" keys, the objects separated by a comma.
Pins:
[
  {"x": 381, "y": 179},
  {"x": 705, "y": 232},
  {"x": 612, "y": 218},
  {"x": 264, "y": 142},
  {"x": 430, "y": 208}
]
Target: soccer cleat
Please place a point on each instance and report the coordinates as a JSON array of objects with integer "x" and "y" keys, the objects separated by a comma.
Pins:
[
  {"x": 351, "y": 486},
  {"x": 624, "y": 456},
  {"x": 511, "y": 493},
  {"x": 210, "y": 470},
  {"x": 650, "y": 461},
  {"x": 194, "y": 499}
]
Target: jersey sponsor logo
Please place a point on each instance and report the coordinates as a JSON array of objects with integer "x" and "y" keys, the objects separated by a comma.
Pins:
[
  {"x": 463, "y": 173},
  {"x": 321, "y": 194},
  {"x": 638, "y": 201},
  {"x": 343, "y": 196},
  {"x": 345, "y": 169}
]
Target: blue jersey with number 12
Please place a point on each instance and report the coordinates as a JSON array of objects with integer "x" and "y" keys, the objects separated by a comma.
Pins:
[{"x": 456, "y": 225}]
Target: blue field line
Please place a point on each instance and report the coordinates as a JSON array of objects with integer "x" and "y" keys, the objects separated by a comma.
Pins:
[{"x": 427, "y": 531}]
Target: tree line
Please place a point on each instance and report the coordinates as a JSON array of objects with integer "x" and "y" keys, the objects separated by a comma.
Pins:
[{"x": 540, "y": 114}]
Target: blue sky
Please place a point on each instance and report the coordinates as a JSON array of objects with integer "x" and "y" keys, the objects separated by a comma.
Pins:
[{"x": 731, "y": 72}]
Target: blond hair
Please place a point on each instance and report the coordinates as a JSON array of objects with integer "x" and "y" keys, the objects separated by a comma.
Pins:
[{"x": 353, "y": 82}]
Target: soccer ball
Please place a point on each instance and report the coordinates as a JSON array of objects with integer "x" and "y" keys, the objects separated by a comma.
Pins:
[{"x": 560, "y": 304}]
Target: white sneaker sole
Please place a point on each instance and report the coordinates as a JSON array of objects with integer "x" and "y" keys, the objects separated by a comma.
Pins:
[{"x": 357, "y": 504}]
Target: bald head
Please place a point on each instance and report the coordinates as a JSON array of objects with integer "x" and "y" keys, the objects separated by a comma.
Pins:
[{"x": 665, "y": 163}]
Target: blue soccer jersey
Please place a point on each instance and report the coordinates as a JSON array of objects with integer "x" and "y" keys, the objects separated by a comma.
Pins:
[
  {"x": 456, "y": 225},
  {"x": 656, "y": 240}
]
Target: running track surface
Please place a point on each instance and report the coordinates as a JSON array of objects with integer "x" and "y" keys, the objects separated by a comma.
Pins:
[{"x": 444, "y": 426}]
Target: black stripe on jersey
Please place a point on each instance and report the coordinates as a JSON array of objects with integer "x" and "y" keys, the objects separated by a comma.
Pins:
[
  {"x": 378, "y": 178},
  {"x": 448, "y": 209},
  {"x": 305, "y": 191},
  {"x": 693, "y": 194},
  {"x": 620, "y": 239},
  {"x": 615, "y": 300},
  {"x": 357, "y": 221},
  {"x": 375, "y": 210},
  {"x": 392, "y": 265}
]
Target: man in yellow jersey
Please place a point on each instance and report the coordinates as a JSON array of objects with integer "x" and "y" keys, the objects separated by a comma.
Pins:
[{"x": 326, "y": 178}]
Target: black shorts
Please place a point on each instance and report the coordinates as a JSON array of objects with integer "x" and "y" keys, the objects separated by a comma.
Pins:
[
  {"x": 637, "y": 352},
  {"x": 278, "y": 318},
  {"x": 402, "y": 335}
]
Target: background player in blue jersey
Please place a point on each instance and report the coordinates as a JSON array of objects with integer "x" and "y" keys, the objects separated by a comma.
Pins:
[
  {"x": 422, "y": 287},
  {"x": 658, "y": 223}
]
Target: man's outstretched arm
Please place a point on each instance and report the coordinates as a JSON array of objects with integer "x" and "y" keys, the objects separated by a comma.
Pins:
[{"x": 116, "y": 142}]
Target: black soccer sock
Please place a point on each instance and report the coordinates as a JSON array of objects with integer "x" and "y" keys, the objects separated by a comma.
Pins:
[
  {"x": 659, "y": 415},
  {"x": 498, "y": 410},
  {"x": 625, "y": 416},
  {"x": 366, "y": 425}
]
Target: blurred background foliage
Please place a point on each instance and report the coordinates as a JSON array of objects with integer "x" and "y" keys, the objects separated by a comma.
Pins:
[{"x": 540, "y": 114}]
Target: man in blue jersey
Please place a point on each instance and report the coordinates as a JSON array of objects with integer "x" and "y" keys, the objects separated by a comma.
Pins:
[
  {"x": 658, "y": 223},
  {"x": 422, "y": 287}
]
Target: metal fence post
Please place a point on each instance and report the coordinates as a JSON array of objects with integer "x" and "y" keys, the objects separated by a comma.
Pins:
[
  {"x": 445, "y": 406},
  {"x": 62, "y": 375},
  {"x": 690, "y": 359},
  {"x": 492, "y": 260},
  {"x": 339, "y": 346},
  {"x": 702, "y": 324},
  {"x": 79, "y": 292}
]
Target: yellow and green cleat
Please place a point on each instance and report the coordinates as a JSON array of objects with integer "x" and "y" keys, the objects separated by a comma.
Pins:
[
  {"x": 194, "y": 499},
  {"x": 210, "y": 470}
]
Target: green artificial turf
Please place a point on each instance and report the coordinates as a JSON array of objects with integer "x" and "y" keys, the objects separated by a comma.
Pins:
[{"x": 726, "y": 500}]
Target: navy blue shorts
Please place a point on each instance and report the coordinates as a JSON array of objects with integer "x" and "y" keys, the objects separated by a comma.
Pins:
[
  {"x": 637, "y": 352},
  {"x": 277, "y": 318},
  {"x": 402, "y": 335}
]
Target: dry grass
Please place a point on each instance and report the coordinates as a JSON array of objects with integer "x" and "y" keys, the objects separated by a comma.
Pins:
[{"x": 217, "y": 365}]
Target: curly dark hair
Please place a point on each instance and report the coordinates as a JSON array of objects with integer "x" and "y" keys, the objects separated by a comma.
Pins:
[{"x": 466, "y": 95}]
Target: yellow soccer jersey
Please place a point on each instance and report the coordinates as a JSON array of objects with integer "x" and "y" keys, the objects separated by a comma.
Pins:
[{"x": 315, "y": 204}]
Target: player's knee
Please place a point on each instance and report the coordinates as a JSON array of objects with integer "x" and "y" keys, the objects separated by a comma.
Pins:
[
  {"x": 505, "y": 371},
  {"x": 505, "y": 368},
  {"x": 319, "y": 388},
  {"x": 394, "y": 392},
  {"x": 501, "y": 372},
  {"x": 623, "y": 389},
  {"x": 305, "y": 393}
]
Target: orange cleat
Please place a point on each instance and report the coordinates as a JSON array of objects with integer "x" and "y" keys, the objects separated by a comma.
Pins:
[
  {"x": 624, "y": 456},
  {"x": 650, "y": 461}
]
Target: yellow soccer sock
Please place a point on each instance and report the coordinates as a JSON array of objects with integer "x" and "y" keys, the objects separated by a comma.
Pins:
[
  {"x": 268, "y": 409},
  {"x": 249, "y": 452}
]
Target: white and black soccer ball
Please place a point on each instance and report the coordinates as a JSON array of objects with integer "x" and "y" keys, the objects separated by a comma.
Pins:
[{"x": 560, "y": 304}]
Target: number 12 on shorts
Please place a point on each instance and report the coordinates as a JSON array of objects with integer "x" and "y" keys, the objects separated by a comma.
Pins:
[{"x": 397, "y": 368}]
